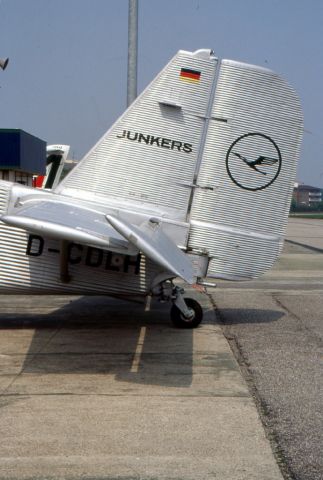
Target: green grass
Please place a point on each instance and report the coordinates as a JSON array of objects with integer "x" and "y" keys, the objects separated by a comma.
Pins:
[{"x": 318, "y": 215}]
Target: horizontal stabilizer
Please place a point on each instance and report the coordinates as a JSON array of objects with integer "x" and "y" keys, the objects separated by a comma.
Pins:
[
  {"x": 68, "y": 222},
  {"x": 150, "y": 239}
]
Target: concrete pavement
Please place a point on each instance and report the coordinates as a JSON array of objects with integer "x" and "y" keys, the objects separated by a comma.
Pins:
[
  {"x": 275, "y": 328},
  {"x": 305, "y": 231},
  {"x": 99, "y": 388}
]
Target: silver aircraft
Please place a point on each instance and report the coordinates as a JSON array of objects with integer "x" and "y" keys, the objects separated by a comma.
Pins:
[{"x": 173, "y": 189}]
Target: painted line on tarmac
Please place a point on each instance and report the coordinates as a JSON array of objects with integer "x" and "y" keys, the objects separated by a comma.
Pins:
[
  {"x": 138, "y": 352},
  {"x": 309, "y": 247},
  {"x": 148, "y": 303}
]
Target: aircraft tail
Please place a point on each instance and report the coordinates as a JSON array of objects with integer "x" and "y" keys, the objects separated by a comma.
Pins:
[{"x": 213, "y": 144}]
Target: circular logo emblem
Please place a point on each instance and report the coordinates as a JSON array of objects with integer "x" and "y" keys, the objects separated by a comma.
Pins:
[{"x": 253, "y": 161}]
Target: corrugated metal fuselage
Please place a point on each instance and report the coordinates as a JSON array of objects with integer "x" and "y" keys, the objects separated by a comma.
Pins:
[{"x": 30, "y": 263}]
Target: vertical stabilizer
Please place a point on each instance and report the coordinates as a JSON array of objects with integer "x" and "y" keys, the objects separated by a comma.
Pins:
[
  {"x": 249, "y": 163},
  {"x": 150, "y": 154}
]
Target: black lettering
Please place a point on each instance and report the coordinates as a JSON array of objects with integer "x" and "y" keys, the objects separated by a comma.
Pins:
[
  {"x": 154, "y": 140},
  {"x": 178, "y": 145},
  {"x": 187, "y": 148},
  {"x": 129, "y": 136},
  {"x": 74, "y": 260},
  {"x": 159, "y": 141},
  {"x": 165, "y": 143},
  {"x": 123, "y": 134},
  {"x": 143, "y": 138},
  {"x": 94, "y": 257},
  {"x": 110, "y": 263},
  {"x": 132, "y": 261},
  {"x": 35, "y": 246}
]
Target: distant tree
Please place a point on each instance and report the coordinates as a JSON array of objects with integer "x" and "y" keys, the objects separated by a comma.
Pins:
[{"x": 293, "y": 205}]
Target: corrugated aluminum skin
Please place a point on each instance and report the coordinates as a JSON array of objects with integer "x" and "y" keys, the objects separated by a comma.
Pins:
[
  {"x": 121, "y": 168},
  {"x": 241, "y": 226},
  {"x": 5, "y": 188},
  {"x": 22, "y": 273}
]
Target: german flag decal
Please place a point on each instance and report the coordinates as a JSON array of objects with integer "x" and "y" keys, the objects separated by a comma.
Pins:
[{"x": 188, "y": 75}]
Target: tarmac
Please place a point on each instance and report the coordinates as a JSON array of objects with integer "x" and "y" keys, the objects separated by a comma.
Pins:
[
  {"x": 98, "y": 388},
  {"x": 274, "y": 326}
]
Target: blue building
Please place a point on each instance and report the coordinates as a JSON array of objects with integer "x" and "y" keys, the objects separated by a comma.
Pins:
[{"x": 21, "y": 156}]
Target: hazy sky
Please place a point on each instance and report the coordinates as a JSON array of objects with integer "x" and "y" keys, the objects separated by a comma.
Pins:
[{"x": 66, "y": 78}]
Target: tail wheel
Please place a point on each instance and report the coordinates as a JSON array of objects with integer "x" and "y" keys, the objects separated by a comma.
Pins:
[{"x": 178, "y": 319}]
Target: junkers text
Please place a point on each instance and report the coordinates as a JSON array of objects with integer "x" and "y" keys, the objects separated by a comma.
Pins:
[{"x": 157, "y": 141}]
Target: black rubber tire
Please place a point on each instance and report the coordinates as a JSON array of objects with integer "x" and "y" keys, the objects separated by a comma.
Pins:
[{"x": 179, "y": 321}]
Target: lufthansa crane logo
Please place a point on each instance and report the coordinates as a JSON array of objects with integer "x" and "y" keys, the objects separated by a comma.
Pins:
[{"x": 253, "y": 161}]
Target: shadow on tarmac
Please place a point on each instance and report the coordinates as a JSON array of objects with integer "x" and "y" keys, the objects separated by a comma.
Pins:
[
  {"x": 100, "y": 335},
  {"x": 105, "y": 336},
  {"x": 235, "y": 316}
]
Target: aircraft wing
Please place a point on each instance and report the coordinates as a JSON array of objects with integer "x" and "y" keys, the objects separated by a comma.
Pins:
[
  {"x": 65, "y": 221},
  {"x": 69, "y": 222},
  {"x": 152, "y": 241}
]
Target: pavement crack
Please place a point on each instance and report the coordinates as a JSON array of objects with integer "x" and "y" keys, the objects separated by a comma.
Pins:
[
  {"x": 29, "y": 361},
  {"x": 301, "y": 325},
  {"x": 280, "y": 304},
  {"x": 262, "y": 406}
]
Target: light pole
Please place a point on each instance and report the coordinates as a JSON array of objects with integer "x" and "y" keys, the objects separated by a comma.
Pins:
[{"x": 132, "y": 51}]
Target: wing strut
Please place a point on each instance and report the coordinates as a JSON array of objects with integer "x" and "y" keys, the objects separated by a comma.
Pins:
[{"x": 152, "y": 241}]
